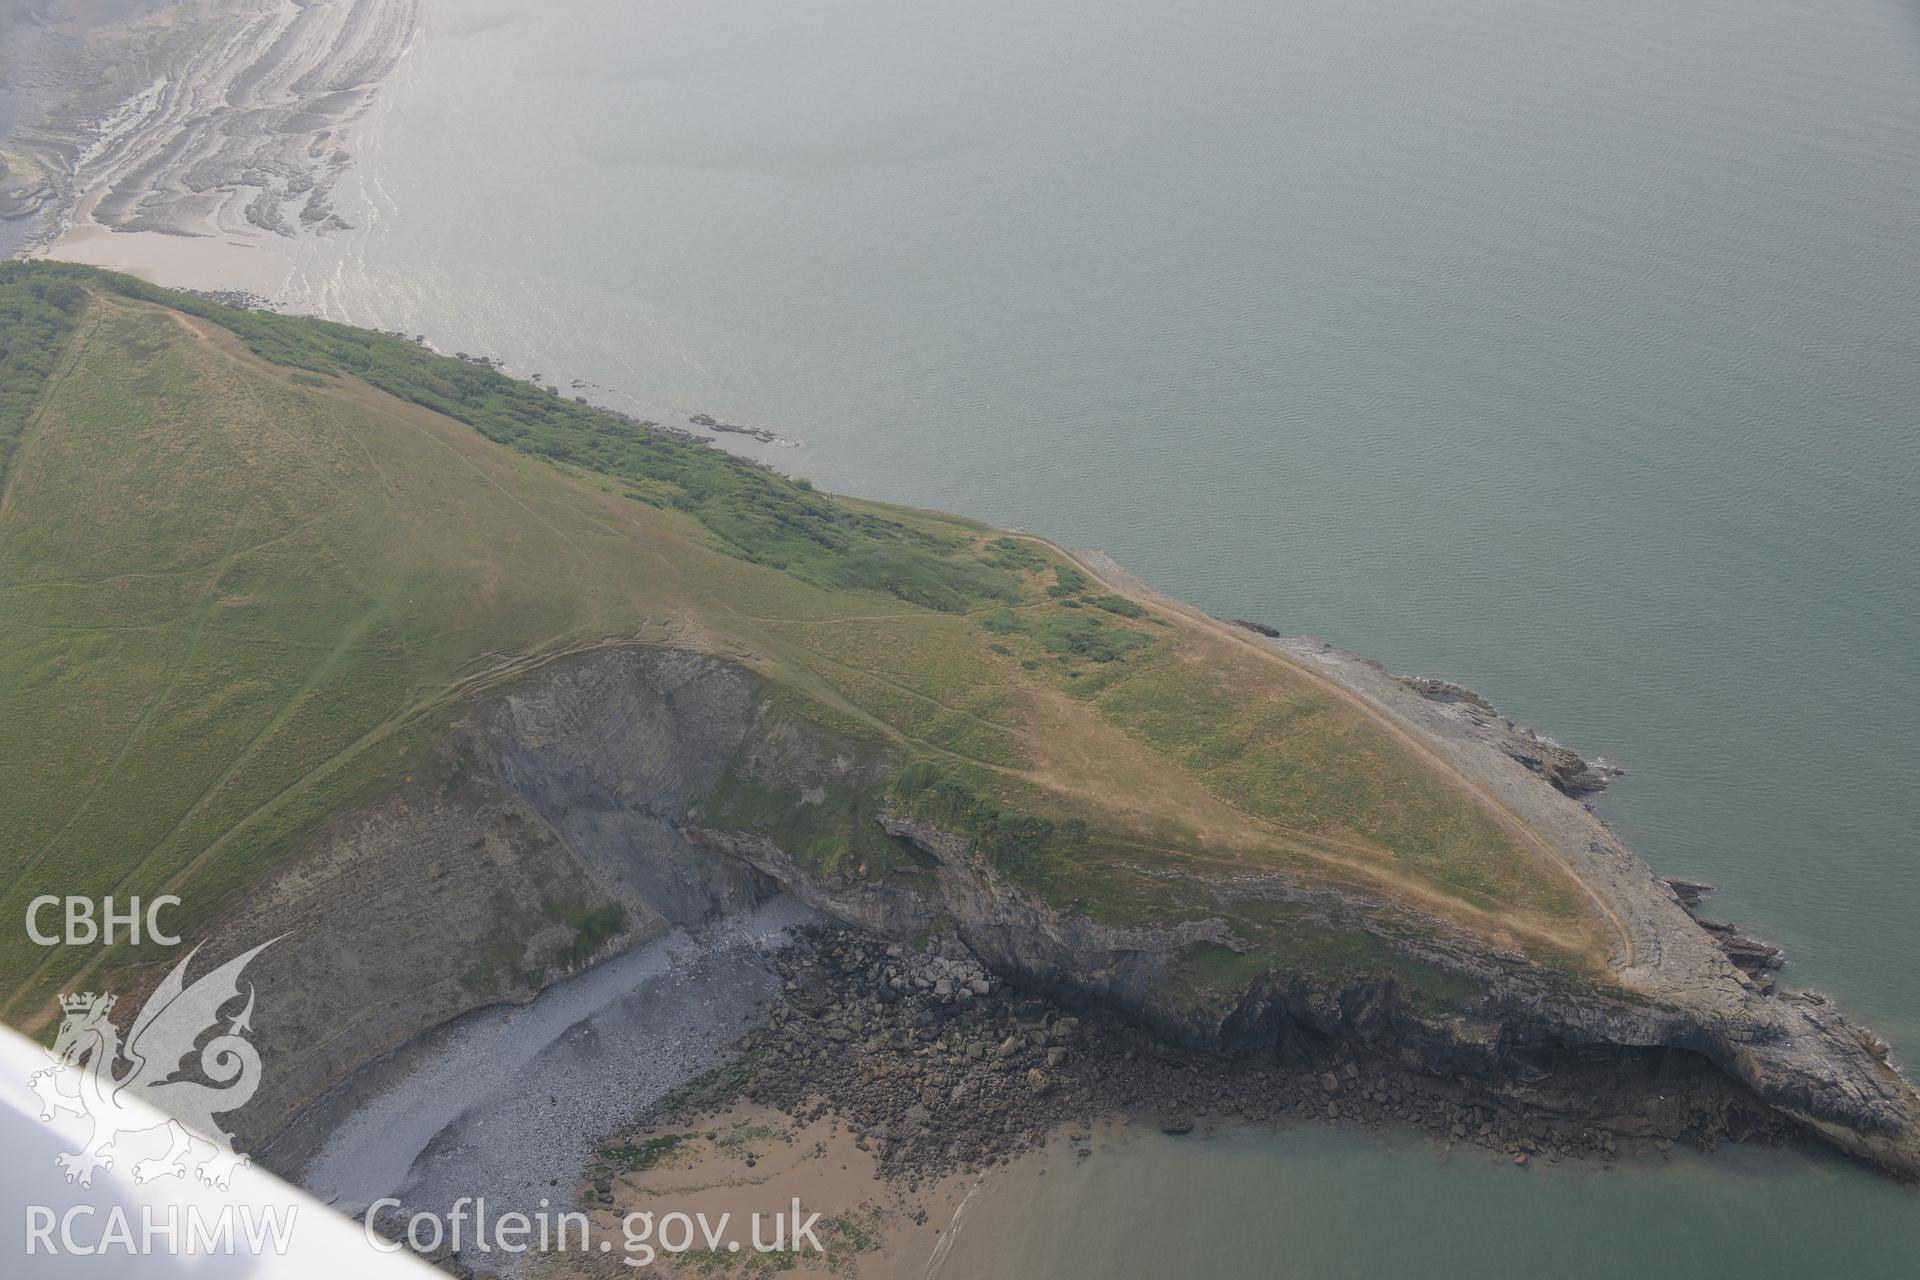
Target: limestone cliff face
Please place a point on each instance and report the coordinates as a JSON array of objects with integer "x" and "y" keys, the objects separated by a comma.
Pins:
[
  {"x": 594, "y": 782},
  {"x": 459, "y": 889},
  {"x": 1681, "y": 987}
]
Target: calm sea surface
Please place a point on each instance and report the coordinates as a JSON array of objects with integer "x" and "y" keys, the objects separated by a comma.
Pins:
[{"x": 1568, "y": 350}]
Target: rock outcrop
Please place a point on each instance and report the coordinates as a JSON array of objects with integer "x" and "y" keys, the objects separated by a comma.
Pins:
[
  {"x": 595, "y": 780},
  {"x": 1695, "y": 984}
]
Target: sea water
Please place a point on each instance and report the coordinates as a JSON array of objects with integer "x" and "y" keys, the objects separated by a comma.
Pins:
[{"x": 1570, "y": 351}]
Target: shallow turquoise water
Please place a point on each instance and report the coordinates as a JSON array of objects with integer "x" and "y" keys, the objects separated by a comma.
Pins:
[
  {"x": 1567, "y": 351},
  {"x": 1317, "y": 1204}
]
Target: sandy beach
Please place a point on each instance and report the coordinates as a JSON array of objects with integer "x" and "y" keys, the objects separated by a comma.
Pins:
[
  {"x": 752, "y": 1159},
  {"x": 755, "y": 1160},
  {"x": 244, "y": 264},
  {"x": 195, "y": 146}
]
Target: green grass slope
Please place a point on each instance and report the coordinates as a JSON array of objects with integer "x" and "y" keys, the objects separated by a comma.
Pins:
[{"x": 249, "y": 563}]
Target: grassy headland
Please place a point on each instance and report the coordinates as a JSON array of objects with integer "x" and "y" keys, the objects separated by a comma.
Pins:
[{"x": 249, "y": 563}]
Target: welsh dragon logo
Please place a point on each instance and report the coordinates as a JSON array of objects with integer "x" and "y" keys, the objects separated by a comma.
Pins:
[{"x": 94, "y": 1075}]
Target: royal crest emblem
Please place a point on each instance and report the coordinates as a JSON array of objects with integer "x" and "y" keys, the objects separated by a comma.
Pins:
[{"x": 169, "y": 1062}]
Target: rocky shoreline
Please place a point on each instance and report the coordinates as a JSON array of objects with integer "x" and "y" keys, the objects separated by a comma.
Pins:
[
  {"x": 1759, "y": 960},
  {"x": 937, "y": 1066},
  {"x": 1676, "y": 980},
  {"x": 956, "y": 1020},
  {"x": 594, "y": 777},
  {"x": 1577, "y": 778},
  {"x": 595, "y": 772},
  {"x": 722, "y": 427}
]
